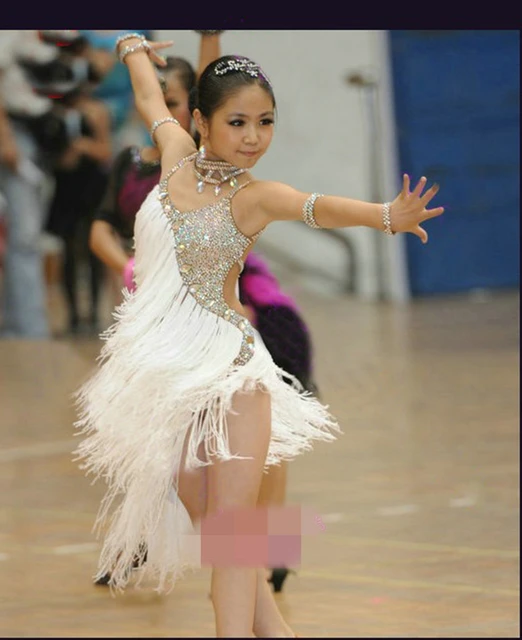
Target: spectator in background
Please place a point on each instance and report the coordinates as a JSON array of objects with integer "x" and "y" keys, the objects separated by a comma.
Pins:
[
  {"x": 35, "y": 132},
  {"x": 23, "y": 178},
  {"x": 80, "y": 170},
  {"x": 116, "y": 92},
  {"x": 80, "y": 176}
]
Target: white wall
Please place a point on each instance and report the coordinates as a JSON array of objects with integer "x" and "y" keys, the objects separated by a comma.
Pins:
[{"x": 321, "y": 141}]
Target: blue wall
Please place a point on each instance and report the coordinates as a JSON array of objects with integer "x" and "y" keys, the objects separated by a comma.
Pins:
[{"x": 457, "y": 96}]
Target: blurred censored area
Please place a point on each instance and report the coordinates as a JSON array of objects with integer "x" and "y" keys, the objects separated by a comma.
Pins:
[{"x": 257, "y": 537}]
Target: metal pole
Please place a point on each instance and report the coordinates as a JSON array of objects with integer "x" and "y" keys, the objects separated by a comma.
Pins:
[{"x": 368, "y": 87}]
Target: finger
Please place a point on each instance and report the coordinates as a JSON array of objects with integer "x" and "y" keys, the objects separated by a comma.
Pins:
[
  {"x": 161, "y": 45},
  {"x": 419, "y": 231},
  {"x": 430, "y": 193},
  {"x": 405, "y": 185},
  {"x": 420, "y": 186},
  {"x": 432, "y": 213},
  {"x": 159, "y": 60}
]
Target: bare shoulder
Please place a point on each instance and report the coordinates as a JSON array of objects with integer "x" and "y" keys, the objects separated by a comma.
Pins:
[
  {"x": 264, "y": 191},
  {"x": 262, "y": 202},
  {"x": 275, "y": 200}
]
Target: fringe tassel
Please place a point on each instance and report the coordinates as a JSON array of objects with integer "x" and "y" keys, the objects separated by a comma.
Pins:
[{"x": 164, "y": 377}]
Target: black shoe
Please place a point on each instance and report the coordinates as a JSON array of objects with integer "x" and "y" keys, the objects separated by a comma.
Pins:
[
  {"x": 103, "y": 580},
  {"x": 106, "y": 577},
  {"x": 278, "y": 578}
]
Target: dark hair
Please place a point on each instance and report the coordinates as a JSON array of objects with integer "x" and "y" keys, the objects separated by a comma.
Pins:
[
  {"x": 185, "y": 71},
  {"x": 224, "y": 77}
]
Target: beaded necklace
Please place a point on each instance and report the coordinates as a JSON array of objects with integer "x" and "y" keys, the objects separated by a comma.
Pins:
[{"x": 206, "y": 171}]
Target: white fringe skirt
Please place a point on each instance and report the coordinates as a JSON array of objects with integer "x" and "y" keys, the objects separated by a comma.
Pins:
[{"x": 164, "y": 383}]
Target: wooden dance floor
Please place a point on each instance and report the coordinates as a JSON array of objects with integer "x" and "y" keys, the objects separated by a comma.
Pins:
[{"x": 419, "y": 497}]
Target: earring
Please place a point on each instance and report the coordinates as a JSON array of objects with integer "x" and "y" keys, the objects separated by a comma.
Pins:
[{"x": 202, "y": 152}]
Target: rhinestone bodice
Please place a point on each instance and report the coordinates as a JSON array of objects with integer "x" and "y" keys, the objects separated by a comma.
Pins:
[{"x": 208, "y": 244}]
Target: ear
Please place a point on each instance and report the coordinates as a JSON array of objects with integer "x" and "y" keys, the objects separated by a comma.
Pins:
[{"x": 201, "y": 123}]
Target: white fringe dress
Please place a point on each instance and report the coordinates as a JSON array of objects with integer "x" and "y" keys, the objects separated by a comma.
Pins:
[{"x": 167, "y": 373}]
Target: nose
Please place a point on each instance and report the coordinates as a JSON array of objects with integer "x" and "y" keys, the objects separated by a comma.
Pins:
[{"x": 251, "y": 135}]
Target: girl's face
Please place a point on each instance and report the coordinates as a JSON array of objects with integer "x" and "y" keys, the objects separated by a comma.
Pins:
[
  {"x": 177, "y": 100},
  {"x": 241, "y": 130}
]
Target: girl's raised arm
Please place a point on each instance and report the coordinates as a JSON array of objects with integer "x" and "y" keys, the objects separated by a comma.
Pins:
[{"x": 139, "y": 54}]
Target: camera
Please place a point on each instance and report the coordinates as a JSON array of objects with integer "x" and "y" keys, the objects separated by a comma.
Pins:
[
  {"x": 68, "y": 71},
  {"x": 51, "y": 69}
]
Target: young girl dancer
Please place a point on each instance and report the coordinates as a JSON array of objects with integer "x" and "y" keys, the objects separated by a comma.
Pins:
[
  {"x": 274, "y": 313},
  {"x": 187, "y": 407}
]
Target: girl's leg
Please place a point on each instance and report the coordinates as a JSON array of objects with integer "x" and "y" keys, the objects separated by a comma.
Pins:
[
  {"x": 273, "y": 492},
  {"x": 241, "y": 597},
  {"x": 234, "y": 484},
  {"x": 268, "y": 621},
  {"x": 273, "y": 486}
]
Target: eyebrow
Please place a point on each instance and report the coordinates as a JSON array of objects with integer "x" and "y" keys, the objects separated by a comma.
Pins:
[{"x": 244, "y": 115}]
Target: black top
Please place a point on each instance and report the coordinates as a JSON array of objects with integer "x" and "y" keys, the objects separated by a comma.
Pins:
[{"x": 130, "y": 181}]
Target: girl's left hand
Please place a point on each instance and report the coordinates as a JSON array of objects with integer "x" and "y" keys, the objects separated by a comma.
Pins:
[{"x": 408, "y": 209}]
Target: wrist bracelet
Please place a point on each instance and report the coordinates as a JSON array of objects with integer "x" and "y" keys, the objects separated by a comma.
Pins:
[
  {"x": 141, "y": 46},
  {"x": 386, "y": 208},
  {"x": 158, "y": 123},
  {"x": 127, "y": 36}
]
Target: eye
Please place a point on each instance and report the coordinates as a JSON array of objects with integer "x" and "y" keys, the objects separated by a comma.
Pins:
[
  {"x": 236, "y": 123},
  {"x": 267, "y": 121},
  {"x": 172, "y": 104}
]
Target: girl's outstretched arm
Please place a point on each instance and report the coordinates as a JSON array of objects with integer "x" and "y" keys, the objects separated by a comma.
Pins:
[{"x": 278, "y": 201}]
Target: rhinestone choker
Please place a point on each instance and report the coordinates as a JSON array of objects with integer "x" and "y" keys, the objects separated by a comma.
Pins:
[{"x": 215, "y": 172}]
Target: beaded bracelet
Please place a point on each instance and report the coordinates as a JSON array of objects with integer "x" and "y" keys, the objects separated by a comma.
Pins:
[
  {"x": 386, "y": 208},
  {"x": 157, "y": 123},
  {"x": 141, "y": 46},
  {"x": 127, "y": 36},
  {"x": 308, "y": 211}
]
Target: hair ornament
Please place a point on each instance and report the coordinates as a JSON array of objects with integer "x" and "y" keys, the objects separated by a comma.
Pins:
[{"x": 238, "y": 64}]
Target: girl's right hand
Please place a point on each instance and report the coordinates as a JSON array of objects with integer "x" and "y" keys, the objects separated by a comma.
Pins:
[
  {"x": 152, "y": 48},
  {"x": 157, "y": 59}
]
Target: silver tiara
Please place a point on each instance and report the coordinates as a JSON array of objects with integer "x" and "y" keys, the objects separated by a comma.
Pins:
[{"x": 238, "y": 64}]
